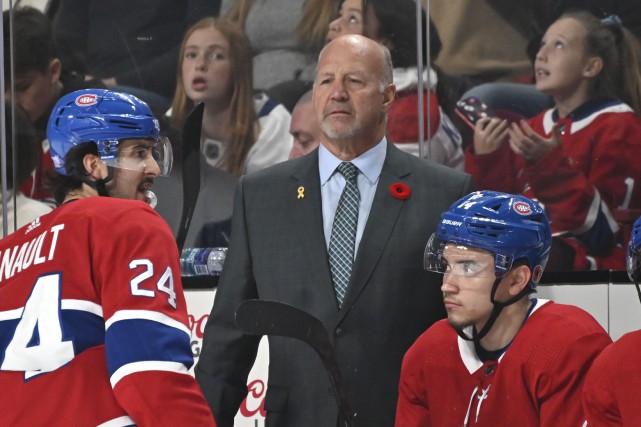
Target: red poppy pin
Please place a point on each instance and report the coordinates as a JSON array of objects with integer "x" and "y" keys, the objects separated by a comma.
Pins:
[{"x": 400, "y": 190}]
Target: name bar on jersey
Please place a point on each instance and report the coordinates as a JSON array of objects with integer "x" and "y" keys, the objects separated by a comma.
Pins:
[{"x": 21, "y": 257}]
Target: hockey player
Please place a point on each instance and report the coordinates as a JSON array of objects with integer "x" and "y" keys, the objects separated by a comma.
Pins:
[
  {"x": 575, "y": 158},
  {"x": 93, "y": 321},
  {"x": 610, "y": 394},
  {"x": 501, "y": 358}
]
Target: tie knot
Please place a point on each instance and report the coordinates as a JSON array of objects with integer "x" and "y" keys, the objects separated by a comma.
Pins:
[{"x": 348, "y": 170}]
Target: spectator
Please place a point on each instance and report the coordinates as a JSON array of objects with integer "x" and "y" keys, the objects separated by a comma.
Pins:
[
  {"x": 575, "y": 158},
  {"x": 610, "y": 386},
  {"x": 394, "y": 25},
  {"x": 241, "y": 132},
  {"x": 99, "y": 311},
  {"x": 282, "y": 244},
  {"x": 130, "y": 46},
  {"x": 25, "y": 209},
  {"x": 304, "y": 127},
  {"x": 501, "y": 357},
  {"x": 286, "y": 36},
  {"x": 531, "y": 18},
  {"x": 38, "y": 82}
]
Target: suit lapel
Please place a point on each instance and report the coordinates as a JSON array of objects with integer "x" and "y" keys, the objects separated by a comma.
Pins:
[{"x": 380, "y": 223}]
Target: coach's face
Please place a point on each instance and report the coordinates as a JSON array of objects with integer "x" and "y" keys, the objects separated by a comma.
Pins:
[{"x": 352, "y": 96}]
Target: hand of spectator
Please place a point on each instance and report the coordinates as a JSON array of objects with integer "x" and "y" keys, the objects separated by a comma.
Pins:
[
  {"x": 525, "y": 142},
  {"x": 489, "y": 133}
]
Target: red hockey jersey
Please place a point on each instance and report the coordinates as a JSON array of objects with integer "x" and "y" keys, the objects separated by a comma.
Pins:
[
  {"x": 611, "y": 390},
  {"x": 582, "y": 183},
  {"x": 536, "y": 382},
  {"x": 93, "y": 321}
]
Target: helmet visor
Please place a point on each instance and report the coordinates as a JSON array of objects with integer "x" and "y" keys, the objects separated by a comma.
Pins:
[
  {"x": 634, "y": 264},
  {"x": 153, "y": 156},
  {"x": 457, "y": 259}
]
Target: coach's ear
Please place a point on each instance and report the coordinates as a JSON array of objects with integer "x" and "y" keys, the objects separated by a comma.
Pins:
[{"x": 94, "y": 166}]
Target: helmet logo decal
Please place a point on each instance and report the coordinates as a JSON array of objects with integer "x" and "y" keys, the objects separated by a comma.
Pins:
[
  {"x": 522, "y": 208},
  {"x": 537, "y": 273},
  {"x": 86, "y": 100}
]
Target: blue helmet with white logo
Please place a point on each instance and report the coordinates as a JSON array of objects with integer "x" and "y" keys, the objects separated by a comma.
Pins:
[
  {"x": 511, "y": 227},
  {"x": 104, "y": 117},
  {"x": 634, "y": 252}
]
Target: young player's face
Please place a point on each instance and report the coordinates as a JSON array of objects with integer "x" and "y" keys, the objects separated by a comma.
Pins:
[
  {"x": 467, "y": 285},
  {"x": 561, "y": 59},
  {"x": 134, "y": 171},
  {"x": 350, "y": 20},
  {"x": 206, "y": 67}
]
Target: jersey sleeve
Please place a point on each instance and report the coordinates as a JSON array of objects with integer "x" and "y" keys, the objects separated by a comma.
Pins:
[{"x": 147, "y": 340}]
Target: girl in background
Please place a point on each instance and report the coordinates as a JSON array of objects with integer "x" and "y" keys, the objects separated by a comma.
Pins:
[
  {"x": 242, "y": 132},
  {"x": 575, "y": 158}
]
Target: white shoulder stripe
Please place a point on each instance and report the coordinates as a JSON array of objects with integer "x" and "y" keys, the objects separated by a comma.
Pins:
[
  {"x": 118, "y": 422},
  {"x": 81, "y": 305},
  {"x": 11, "y": 314},
  {"x": 154, "y": 316},
  {"x": 132, "y": 368}
]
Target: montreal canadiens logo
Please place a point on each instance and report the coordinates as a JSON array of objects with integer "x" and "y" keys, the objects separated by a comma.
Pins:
[
  {"x": 537, "y": 273},
  {"x": 86, "y": 100},
  {"x": 522, "y": 208}
]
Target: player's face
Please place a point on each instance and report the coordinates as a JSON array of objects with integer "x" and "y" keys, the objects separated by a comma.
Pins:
[
  {"x": 350, "y": 98},
  {"x": 304, "y": 129},
  {"x": 206, "y": 67},
  {"x": 561, "y": 59},
  {"x": 134, "y": 171},
  {"x": 467, "y": 285}
]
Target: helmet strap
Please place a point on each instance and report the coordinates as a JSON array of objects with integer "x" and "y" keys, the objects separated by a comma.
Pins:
[
  {"x": 496, "y": 311},
  {"x": 99, "y": 184}
]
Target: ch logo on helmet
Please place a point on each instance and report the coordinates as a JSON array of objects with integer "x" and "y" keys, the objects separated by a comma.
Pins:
[
  {"x": 537, "y": 273},
  {"x": 86, "y": 100},
  {"x": 522, "y": 208}
]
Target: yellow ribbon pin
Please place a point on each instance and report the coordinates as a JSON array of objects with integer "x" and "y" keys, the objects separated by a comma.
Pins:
[{"x": 301, "y": 192}]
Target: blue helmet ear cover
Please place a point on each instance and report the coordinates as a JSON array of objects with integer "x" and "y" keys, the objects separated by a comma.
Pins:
[
  {"x": 634, "y": 255},
  {"x": 512, "y": 227},
  {"x": 101, "y": 116}
]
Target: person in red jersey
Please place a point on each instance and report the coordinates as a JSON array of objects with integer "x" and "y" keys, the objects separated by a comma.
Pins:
[
  {"x": 610, "y": 392},
  {"x": 93, "y": 320},
  {"x": 501, "y": 358},
  {"x": 575, "y": 158}
]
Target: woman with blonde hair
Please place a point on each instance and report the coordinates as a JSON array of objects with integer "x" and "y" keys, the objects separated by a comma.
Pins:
[{"x": 241, "y": 131}]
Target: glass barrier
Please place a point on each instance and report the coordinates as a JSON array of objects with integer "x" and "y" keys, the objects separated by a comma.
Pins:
[{"x": 478, "y": 89}]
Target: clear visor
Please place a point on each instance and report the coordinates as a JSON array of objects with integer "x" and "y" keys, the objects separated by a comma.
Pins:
[
  {"x": 634, "y": 266},
  {"x": 153, "y": 156},
  {"x": 459, "y": 260}
]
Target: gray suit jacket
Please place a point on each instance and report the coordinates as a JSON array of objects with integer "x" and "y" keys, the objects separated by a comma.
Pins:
[{"x": 278, "y": 252}]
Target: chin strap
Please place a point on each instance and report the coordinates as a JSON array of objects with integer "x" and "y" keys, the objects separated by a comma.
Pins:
[
  {"x": 496, "y": 311},
  {"x": 99, "y": 184}
]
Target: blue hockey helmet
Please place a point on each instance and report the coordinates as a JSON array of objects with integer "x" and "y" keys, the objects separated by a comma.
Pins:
[
  {"x": 104, "y": 117},
  {"x": 511, "y": 227},
  {"x": 634, "y": 252}
]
